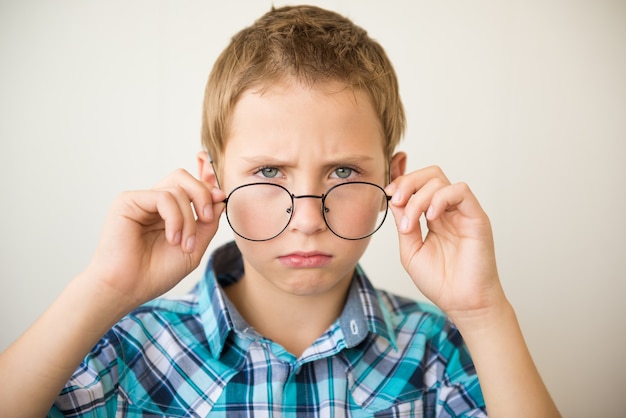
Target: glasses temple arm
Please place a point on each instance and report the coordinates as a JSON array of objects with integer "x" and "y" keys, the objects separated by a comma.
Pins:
[{"x": 217, "y": 180}]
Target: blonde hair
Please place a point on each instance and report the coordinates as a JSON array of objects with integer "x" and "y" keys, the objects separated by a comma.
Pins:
[{"x": 310, "y": 45}]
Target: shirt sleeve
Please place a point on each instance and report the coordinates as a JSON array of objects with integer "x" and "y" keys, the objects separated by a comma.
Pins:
[{"x": 92, "y": 389}]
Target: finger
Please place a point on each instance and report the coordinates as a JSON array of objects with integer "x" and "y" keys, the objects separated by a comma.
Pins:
[
  {"x": 456, "y": 197},
  {"x": 205, "y": 230},
  {"x": 195, "y": 233},
  {"x": 403, "y": 221},
  {"x": 420, "y": 202},
  {"x": 186, "y": 211},
  {"x": 208, "y": 200},
  {"x": 414, "y": 192},
  {"x": 169, "y": 208},
  {"x": 199, "y": 193},
  {"x": 410, "y": 242},
  {"x": 151, "y": 210},
  {"x": 403, "y": 187},
  {"x": 217, "y": 197}
]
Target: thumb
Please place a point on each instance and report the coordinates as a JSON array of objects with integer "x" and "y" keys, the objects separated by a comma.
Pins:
[
  {"x": 205, "y": 230},
  {"x": 409, "y": 233}
]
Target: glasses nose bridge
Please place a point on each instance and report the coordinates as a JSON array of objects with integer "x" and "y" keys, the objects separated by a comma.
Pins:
[
  {"x": 322, "y": 198},
  {"x": 309, "y": 196}
]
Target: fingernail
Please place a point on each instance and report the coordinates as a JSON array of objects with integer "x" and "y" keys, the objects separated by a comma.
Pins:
[
  {"x": 391, "y": 187},
  {"x": 429, "y": 212},
  {"x": 177, "y": 237},
  {"x": 191, "y": 243},
  {"x": 397, "y": 197},
  {"x": 404, "y": 224},
  {"x": 208, "y": 212}
]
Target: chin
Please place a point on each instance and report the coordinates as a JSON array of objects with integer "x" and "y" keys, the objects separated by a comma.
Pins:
[{"x": 313, "y": 282}]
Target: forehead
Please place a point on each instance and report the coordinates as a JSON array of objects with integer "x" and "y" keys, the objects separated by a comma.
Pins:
[{"x": 291, "y": 116}]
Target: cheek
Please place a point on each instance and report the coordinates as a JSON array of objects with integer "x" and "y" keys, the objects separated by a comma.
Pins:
[
  {"x": 357, "y": 248},
  {"x": 260, "y": 256},
  {"x": 250, "y": 249}
]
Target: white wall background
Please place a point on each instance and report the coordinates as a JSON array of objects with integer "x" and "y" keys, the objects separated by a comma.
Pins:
[{"x": 525, "y": 100}]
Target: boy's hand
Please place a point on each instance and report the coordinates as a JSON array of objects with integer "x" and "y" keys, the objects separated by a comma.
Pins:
[
  {"x": 454, "y": 264},
  {"x": 152, "y": 239}
]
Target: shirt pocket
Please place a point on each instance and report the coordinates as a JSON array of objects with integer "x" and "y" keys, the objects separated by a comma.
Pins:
[{"x": 413, "y": 409}]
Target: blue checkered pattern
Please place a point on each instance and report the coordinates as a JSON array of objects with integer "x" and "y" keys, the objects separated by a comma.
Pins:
[{"x": 195, "y": 356}]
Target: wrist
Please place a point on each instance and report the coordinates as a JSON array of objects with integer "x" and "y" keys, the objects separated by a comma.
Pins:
[
  {"x": 100, "y": 304},
  {"x": 509, "y": 379},
  {"x": 484, "y": 319},
  {"x": 483, "y": 306},
  {"x": 115, "y": 294}
]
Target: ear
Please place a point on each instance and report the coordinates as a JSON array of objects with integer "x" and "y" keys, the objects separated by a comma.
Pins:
[
  {"x": 205, "y": 169},
  {"x": 397, "y": 166}
]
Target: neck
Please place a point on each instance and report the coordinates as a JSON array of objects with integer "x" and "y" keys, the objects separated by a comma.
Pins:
[{"x": 293, "y": 321}]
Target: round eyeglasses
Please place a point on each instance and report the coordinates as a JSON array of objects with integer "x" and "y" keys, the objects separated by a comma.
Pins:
[{"x": 262, "y": 211}]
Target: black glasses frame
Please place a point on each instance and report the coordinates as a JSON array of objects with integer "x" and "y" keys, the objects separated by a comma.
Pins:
[{"x": 324, "y": 209}]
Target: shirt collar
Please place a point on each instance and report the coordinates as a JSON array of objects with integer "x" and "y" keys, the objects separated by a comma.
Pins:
[
  {"x": 226, "y": 266},
  {"x": 363, "y": 312}
]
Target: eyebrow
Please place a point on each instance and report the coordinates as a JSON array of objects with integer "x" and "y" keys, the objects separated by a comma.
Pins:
[{"x": 272, "y": 160}]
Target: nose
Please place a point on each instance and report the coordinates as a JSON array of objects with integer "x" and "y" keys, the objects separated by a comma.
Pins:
[{"x": 307, "y": 214}]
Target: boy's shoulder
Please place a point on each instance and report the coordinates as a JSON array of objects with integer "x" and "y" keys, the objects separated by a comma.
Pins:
[
  {"x": 402, "y": 305},
  {"x": 167, "y": 308},
  {"x": 417, "y": 317},
  {"x": 177, "y": 317}
]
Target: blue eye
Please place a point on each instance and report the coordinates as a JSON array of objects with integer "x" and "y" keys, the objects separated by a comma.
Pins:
[
  {"x": 269, "y": 172},
  {"x": 343, "y": 172}
]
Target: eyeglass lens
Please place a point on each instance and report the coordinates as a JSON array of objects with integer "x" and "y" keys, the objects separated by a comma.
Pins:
[{"x": 261, "y": 211}]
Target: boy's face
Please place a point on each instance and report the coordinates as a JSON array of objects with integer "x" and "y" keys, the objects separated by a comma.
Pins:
[{"x": 307, "y": 140}]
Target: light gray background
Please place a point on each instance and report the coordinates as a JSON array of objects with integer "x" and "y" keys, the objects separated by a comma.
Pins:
[{"x": 524, "y": 100}]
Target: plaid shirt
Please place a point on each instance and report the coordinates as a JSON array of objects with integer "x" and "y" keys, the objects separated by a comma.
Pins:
[{"x": 196, "y": 356}]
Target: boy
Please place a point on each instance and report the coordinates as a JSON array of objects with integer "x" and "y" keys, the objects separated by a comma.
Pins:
[{"x": 300, "y": 122}]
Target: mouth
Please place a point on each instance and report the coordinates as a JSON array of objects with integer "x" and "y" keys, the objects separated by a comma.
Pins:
[{"x": 305, "y": 259}]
